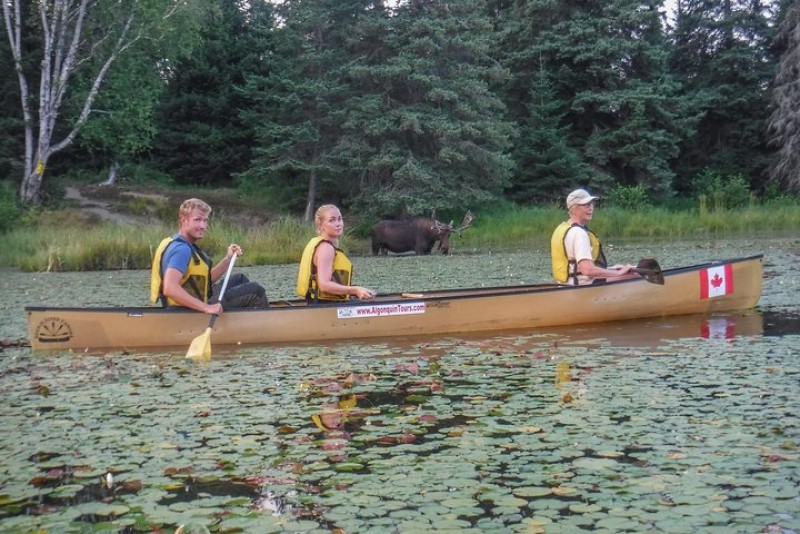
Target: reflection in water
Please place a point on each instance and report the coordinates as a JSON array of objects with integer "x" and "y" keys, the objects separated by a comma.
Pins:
[
  {"x": 656, "y": 330},
  {"x": 781, "y": 323},
  {"x": 648, "y": 332}
]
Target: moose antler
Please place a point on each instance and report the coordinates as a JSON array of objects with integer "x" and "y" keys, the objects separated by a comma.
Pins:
[{"x": 466, "y": 223}]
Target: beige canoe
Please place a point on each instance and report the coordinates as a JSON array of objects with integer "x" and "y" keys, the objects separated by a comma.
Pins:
[{"x": 711, "y": 287}]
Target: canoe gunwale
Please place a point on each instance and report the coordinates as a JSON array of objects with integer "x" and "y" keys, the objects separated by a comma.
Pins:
[{"x": 432, "y": 295}]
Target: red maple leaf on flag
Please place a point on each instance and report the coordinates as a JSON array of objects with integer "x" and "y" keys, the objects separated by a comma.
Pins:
[{"x": 717, "y": 280}]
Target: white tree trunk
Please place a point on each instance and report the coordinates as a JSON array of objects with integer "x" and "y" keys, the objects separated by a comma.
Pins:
[
  {"x": 112, "y": 174},
  {"x": 65, "y": 48}
]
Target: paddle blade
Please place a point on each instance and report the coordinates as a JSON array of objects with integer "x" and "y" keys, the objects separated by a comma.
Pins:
[
  {"x": 652, "y": 276},
  {"x": 651, "y": 270},
  {"x": 200, "y": 349}
]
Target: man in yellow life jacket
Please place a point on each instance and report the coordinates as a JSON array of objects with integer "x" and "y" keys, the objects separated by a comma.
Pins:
[
  {"x": 182, "y": 274},
  {"x": 575, "y": 251}
]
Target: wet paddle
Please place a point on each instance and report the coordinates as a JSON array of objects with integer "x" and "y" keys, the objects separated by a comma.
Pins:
[
  {"x": 650, "y": 270},
  {"x": 200, "y": 349}
]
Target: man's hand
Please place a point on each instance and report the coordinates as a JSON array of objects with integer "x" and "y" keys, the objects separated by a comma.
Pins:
[
  {"x": 233, "y": 250},
  {"x": 214, "y": 309}
]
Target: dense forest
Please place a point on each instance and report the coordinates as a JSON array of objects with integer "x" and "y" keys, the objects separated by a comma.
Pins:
[{"x": 400, "y": 107}]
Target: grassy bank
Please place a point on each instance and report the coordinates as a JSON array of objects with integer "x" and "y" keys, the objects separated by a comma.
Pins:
[{"x": 55, "y": 241}]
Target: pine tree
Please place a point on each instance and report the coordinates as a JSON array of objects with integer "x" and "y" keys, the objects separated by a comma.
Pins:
[
  {"x": 546, "y": 159},
  {"x": 608, "y": 73},
  {"x": 423, "y": 121},
  {"x": 723, "y": 54},
  {"x": 298, "y": 106},
  {"x": 202, "y": 139}
]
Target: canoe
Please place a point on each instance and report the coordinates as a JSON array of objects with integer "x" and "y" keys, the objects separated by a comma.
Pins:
[{"x": 718, "y": 286}]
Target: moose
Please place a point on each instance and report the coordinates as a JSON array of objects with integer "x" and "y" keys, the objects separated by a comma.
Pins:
[{"x": 417, "y": 234}]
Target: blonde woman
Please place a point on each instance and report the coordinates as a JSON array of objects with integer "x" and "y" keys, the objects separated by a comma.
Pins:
[{"x": 325, "y": 272}]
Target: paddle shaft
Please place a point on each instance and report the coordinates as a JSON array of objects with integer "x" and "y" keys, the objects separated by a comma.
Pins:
[{"x": 222, "y": 291}]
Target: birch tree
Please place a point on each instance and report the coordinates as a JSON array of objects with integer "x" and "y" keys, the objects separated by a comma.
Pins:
[
  {"x": 81, "y": 39},
  {"x": 784, "y": 124}
]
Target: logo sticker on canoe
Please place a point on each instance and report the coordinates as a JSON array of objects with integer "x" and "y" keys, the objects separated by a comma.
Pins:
[
  {"x": 380, "y": 310},
  {"x": 716, "y": 281},
  {"x": 53, "y": 330}
]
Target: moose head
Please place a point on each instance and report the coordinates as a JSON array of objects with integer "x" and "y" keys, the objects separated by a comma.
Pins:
[{"x": 445, "y": 230}]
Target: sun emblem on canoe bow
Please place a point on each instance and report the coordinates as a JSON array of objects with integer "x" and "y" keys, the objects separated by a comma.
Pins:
[{"x": 53, "y": 330}]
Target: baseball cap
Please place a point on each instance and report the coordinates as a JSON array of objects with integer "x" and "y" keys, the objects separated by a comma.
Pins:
[{"x": 579, "y": 197}]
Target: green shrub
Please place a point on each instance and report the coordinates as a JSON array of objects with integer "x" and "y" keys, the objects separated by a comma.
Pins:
[
  {"x": 9, "y": 208},
  {"x": 628, "y": 197},
  {"x": 721, "y": 192}
]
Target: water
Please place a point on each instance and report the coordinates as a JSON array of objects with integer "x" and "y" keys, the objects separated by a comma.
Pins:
[{"x": 677, "y": 425}]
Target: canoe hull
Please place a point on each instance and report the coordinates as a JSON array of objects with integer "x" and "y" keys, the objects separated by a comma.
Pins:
[{"x": 688, "y": 290}]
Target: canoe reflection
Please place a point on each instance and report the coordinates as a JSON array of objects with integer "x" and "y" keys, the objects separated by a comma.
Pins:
[
  {"x": 649, "y": 332},
  {"x": 655, "y": 330}
]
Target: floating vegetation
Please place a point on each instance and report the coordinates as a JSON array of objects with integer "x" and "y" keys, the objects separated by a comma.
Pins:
[
  {"x": 659, "y": 426},
  {"x": 698, "y": 435}
]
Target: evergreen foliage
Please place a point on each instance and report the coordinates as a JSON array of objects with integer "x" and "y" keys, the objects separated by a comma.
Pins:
[
  {"x": 398, "y": 108},
  {"x": 723, "y": 54},
  {"x": 201, "y": 137},
  {"x": 601, "y": 70},
  {"x": 423, "y": 123},
  {"x": 297, "y": 106}
]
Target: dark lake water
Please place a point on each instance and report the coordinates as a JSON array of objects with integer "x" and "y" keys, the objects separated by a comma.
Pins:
[{"x": 676, "y": 425}]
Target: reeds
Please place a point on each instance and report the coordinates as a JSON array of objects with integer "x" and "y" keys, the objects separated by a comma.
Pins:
[
  {"x": 534, "y": 225},
  {"x": 58, "y": 243}
]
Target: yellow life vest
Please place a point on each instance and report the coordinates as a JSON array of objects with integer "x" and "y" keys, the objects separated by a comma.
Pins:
[
  {"x": 196, "y": 280},
  {"x": 565, "y": 269},
  {"x": 307, "y": 286}
]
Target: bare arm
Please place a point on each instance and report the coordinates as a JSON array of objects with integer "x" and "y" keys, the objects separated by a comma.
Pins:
[
  {"x": 219, "y": 269},
  {"x": 588, "y": 268},
  {"x": 174, "y": 290},
  {"x": 323, "y": 259}
]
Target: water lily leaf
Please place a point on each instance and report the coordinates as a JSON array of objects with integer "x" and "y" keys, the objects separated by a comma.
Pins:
[
  {"x": 349, "y": 467},
  {"x": 532, "y": 491},
  {"x": 584, "y": 508},
  {"x": 261, "y": 523},
  {"x": 595, "y": 464},
  {"x": 67, "y": 490}
]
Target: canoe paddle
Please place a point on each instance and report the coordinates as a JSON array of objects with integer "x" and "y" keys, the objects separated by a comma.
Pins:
[
  {"x": 200, "y": 349},
  {"x": 650, "y": 270}
]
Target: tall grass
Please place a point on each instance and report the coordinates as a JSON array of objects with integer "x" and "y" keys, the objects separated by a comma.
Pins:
[
  {"x": 58, "y": 242},
  {"x": 516, "y": 227},
  {"x": 109, "y": 246}
]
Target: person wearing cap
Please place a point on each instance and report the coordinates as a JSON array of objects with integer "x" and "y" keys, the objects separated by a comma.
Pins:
[{"x": 575, "y": 251}]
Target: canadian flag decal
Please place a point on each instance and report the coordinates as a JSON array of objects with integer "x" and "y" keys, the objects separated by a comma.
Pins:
[{"x": 716, "y": 281}]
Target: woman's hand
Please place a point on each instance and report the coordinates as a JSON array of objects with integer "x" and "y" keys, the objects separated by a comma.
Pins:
[{"x": 362, "y": 292}]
